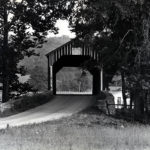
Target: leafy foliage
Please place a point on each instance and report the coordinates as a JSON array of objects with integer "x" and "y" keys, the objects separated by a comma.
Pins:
[
  {"x": 119, "y": 31},
  {"x": 23, "y": 27}
]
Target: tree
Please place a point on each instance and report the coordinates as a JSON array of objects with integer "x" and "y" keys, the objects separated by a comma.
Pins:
[
  {"x": 38, "y": 78},
  {"x": 102, "y": 24},
  {"x": 119, "y": 31},
  {"x": 23, "y": 26}
]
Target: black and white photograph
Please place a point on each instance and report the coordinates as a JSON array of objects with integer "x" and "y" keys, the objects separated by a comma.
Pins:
[{"x": 74, "y": 74}]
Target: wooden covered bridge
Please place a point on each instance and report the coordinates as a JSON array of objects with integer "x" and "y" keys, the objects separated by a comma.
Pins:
[{"x": 74, "y": 54}]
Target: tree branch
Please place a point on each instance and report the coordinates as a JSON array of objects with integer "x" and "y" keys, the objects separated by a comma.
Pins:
[
  {"x": 130, "y": 30},
  {"x": 121, "y": 42}
]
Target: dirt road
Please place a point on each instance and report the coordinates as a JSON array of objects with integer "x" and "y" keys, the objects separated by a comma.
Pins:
[{"x": 60, "y": 106}]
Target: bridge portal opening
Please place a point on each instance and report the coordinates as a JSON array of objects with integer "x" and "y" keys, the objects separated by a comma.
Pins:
[
  {"x": 76, "y": 54},
  {"x": 74, "y": 81}
]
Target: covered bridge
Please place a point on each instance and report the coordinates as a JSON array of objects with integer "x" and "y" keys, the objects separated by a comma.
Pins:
[{"x": 74, "y": 54}]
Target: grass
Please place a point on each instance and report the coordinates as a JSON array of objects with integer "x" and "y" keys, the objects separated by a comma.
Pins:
[
  {"x": 25, "y": 103},
  {"x": 79, "y": 132},
  {"x": 28, "y": 102}
]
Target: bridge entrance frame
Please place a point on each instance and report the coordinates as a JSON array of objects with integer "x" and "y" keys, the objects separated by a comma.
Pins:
[{"x": 74, "y": 54}]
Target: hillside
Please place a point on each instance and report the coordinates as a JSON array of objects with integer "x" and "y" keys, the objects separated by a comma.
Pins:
[
  {"x": 36, "y": 66},
  {"x": 41, "y": 60}
]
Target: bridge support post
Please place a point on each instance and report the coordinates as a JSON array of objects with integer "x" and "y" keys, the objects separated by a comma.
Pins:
[
  {"x": 50, "y": 78},
  {"x": 96, "y": 82},
  {"x": 49, "y": 75},
  {"x": 49, "y": 82},
  {"x": 54, "y": 81},
  {"x": 102, "y": 80}
]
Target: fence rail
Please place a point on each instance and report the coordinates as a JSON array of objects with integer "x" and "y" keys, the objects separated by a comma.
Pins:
[{"x": 119, "y": 106}]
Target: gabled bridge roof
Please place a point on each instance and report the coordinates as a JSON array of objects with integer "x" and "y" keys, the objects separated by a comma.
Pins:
[{"x": 73, "y": 47}]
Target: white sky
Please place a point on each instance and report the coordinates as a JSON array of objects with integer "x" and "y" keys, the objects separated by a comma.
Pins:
[{"x": 64, "y": 29}]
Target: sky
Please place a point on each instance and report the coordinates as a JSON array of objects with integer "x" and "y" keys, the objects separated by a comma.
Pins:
[{"x": 64, "y": 29}]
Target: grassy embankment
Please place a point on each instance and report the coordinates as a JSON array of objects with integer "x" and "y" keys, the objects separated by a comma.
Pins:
[
  {"x": 24, "y": 103},
  {"x": 79, "y": 132}
]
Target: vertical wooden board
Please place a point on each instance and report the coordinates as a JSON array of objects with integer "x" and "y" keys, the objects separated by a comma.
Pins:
[
  {"x": 51, "y": 77},
  {"x": 70, "y": 48},
  {"x": 60, "y": 52},
  {"x": 63, "y": 50},
  {"x": 66, "y": 49},
  {"x": 51, "y": 59},
  {"x": 54, "y": 82},
  {"x": 48, "y": 72},
  {"x": 57, "y": 54}
]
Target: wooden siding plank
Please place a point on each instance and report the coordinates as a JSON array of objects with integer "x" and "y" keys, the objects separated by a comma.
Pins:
[
  {"x": 71, "y": 48},
  {"x": 66, "y": 49}
]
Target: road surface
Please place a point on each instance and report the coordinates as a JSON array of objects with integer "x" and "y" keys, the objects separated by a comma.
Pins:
[{"x": 59, "y": 107}]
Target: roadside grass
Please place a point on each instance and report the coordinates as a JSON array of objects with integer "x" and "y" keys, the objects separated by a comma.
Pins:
[
  {"x": 28, "y": 102},
  {"x": 79, "y": 132},
  {"x": 24, "y": 103}
]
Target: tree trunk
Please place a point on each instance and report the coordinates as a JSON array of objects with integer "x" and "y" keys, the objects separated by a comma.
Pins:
[
  {"x": 123, "y": 89},
  {"x": 5, "y": 93},
  {"x": 146, "y": 102},
  {"x": 5, "y": 69},
  {"x": 138, "y": 105},
  {"x": 105, "y": 81},
  {"x": 131, "y": 99}
]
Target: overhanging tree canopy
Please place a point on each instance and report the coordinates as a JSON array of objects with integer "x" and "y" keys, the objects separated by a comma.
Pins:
[
  {"x": 119, "y": 30},
  {"x": 23, "y": 26}
]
